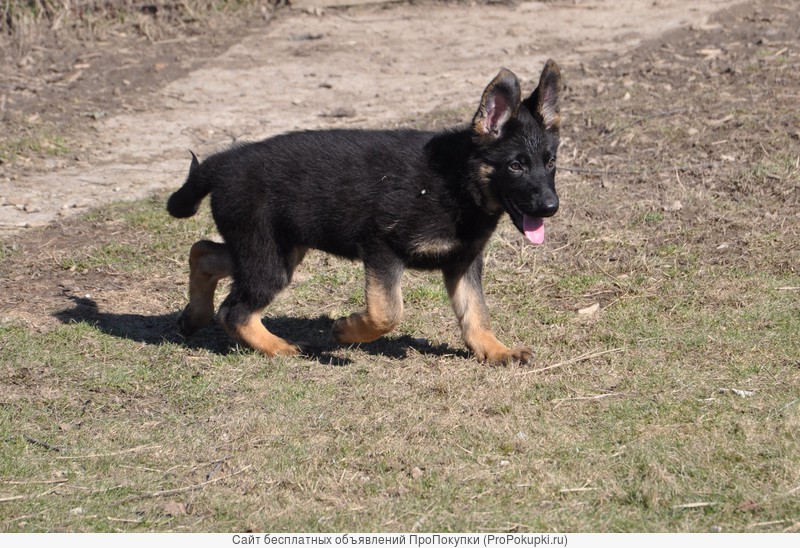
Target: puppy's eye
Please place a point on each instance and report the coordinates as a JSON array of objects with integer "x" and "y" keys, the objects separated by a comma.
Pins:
[
  {"x": 515, "y": 166},
  {"x": 551, "y": 164}
]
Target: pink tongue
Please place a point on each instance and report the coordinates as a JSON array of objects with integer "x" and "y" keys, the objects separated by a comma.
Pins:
[{"x": 534, "y": 229}]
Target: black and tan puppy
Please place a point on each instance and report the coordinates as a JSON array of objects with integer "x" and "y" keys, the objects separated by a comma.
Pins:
[{"x": 392, "y": 199}]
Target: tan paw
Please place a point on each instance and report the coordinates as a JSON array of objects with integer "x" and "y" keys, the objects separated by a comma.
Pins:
[
  {"x": 356, "y": 328},
  {"x": 287, "y": 349},
  {"x": 521, "y": 354}
]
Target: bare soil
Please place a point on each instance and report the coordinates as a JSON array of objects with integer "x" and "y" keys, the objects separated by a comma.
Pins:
[{"x": 91, "y": 121}]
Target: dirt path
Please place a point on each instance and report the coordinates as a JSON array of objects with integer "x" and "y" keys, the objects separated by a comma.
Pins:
[{"x": 370, "y": 67}]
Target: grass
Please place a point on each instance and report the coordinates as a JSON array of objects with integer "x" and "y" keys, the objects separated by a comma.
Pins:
[
  {"x": 395, "y": 437},
  {"x": 34, "y": 138}
]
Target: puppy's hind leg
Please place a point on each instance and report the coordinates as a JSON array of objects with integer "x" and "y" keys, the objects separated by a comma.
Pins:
[
  {"x": 244, "y": 325},
  {"x": 263, "y": 270},
  {"x": 209, "y": 262}
]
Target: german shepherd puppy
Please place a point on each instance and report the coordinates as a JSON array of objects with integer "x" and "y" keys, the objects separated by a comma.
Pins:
[{"x": 392, "y": 199}]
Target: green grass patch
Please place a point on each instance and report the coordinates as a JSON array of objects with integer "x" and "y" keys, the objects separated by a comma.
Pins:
[{"x": 35, "y": 139}]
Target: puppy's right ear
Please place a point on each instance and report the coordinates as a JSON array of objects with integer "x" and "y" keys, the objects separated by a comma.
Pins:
[{"x": 499, "y": 103}]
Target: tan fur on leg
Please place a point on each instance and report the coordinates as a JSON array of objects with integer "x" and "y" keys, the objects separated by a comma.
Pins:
[
  {"x": 383, "y": 312},
  {"x": 250, "y": 331},
  {"x": 209, "y": 262},
  {"x": 473, "y": 316}
]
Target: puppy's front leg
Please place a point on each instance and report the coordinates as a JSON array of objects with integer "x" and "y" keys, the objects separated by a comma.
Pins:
[
  {"x": 384, "y": 303},
  {"x": 466, "y": 296}
]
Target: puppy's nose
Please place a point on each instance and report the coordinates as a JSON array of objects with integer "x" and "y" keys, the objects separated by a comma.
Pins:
[{"x": 549, "y": 207}]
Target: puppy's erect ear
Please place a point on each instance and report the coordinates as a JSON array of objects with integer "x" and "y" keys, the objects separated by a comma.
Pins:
[
  {"x": 499, "y": 104},
  {"x": 545, "y": 100}
]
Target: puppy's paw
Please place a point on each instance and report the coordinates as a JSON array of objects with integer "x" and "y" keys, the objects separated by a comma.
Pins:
[
  {"x": 521, "y": 354},
  {"x": 188, "y": 323},
  {"x": 301, "y": 348},
  {"x": 358, "y": 328},
  {"x": 288, "y": 349}
]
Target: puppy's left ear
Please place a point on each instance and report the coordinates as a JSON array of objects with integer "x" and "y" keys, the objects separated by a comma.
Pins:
[
  {"x": 545, "y": 100},
  {"x": 499, "y": 103}
]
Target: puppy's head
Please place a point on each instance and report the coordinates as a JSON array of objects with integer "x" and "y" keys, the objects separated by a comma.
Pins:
[{"x": 517, "y": 142}]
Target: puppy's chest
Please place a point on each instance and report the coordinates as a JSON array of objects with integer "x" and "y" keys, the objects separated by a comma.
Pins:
[
  {"x": 434, "y": 248},
  {"x": 432, "y": 233},
  {"x": 435, "y": 245},
  {"x": 429, "y": 237}
]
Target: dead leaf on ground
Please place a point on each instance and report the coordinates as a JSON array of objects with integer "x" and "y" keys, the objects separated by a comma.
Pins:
[{"x": 589, "y": 310}]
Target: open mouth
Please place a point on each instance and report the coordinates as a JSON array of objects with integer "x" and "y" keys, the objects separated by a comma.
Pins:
[{"x": 531, "y": 227}]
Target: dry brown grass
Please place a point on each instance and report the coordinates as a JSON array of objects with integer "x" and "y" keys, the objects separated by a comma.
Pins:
[{"x": 26, "y": 24}]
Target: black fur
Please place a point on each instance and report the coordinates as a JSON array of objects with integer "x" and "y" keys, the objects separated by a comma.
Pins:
[{"x": 392, "y": 199}]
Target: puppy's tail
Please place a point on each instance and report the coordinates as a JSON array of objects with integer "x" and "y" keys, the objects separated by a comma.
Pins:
[{"x": 185, "y": 201}]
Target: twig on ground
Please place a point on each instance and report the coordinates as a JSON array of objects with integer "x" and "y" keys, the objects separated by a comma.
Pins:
[
  {"x": 25, "y": 497},
  {"x": 34, "y": 482},
  {"x": 192, "y": 487},
  {"x": 644, "y": 171},
  {"x": 793, "y": 490},
  {"x": 123, "y": 520},
  {"x": 100, "y": 455},
  {"x": 765, "y": 523},
  {"x": 592, "y": 397},
  {"x": 582, "y": 357},
  {"x": 690, "y": 505},
  {"x": 40, "y": 443},
  {"x": 9, "y": 499}
]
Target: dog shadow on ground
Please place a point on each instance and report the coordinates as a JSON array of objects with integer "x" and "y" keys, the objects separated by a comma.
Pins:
[{"x": 312, "y": 332}]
